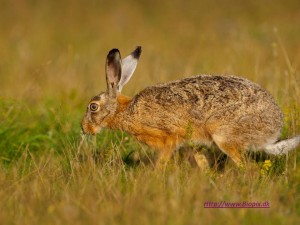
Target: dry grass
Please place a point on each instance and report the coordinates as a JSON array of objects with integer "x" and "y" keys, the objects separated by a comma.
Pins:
[
  {"x": 52, "y": 62},
  {"x": 45, "y": 191}
]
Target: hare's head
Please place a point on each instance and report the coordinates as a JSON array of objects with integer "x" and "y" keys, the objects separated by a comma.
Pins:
[{"x": 104, "y": 105}]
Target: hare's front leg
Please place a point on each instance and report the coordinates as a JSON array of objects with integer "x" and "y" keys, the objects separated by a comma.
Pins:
[
  {"x": 164, "y": 143},
  {"x": 163, "y": 158}
]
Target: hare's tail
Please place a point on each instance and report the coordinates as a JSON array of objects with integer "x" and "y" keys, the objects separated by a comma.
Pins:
[{"x": 282, "y": 147}]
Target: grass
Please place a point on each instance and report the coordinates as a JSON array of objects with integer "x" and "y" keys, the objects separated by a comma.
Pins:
[{"x": 52, "y": 62}]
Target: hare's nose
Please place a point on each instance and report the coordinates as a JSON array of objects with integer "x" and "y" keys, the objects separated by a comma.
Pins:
[
  {"x": 89, "y": 129},
  {"x": 84, "y": 127}
]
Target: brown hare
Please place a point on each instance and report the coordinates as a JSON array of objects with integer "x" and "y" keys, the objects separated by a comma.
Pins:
[{"x": 231, "y": 112}]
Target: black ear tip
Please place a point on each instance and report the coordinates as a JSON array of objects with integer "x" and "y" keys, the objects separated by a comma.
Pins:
[
  {"x": 113, "y": 52},
  {"x": 137, "y": 52}
]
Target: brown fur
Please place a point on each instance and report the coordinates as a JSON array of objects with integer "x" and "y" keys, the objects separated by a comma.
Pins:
[{"x": 231, "y": 112}]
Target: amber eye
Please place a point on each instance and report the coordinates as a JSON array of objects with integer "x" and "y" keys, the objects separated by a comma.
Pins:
[{"x": 94, "y": 107}]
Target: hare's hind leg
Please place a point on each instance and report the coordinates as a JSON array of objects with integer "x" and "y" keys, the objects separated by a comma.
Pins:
[
  {"x": 230, "y": 148},
  {"x": 214, "y": 158}
]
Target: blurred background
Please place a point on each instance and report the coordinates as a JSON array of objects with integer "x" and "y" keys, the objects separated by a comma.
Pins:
[
  {"x": 55, "y": 48},
  {"x": 53, "y": 53}
]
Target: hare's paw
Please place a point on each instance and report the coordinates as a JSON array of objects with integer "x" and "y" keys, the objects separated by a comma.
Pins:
[{"x": 202, "y": 162}]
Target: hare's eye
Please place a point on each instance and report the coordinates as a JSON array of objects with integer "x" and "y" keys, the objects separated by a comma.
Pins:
[{"x": 94, "y": 107}]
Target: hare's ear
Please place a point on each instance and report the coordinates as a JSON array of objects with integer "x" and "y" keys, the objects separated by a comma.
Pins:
[
  {"x": 113, "y": 68},
  {"x": 128, "y": 66}
]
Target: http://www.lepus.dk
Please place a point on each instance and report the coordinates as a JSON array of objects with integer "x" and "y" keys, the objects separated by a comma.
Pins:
[{"x": 228, "y": 111}]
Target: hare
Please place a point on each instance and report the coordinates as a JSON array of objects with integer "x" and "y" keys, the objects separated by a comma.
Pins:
[{"x": 230, "y": 112}]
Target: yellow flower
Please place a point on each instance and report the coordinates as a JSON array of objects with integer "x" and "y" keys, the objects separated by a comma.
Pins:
[{"x": 266, "y": 167}]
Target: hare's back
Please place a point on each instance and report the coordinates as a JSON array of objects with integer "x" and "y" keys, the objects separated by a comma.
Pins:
[
  {"x": 207, "y": 96},
  {"x": 214, "y": 90}
]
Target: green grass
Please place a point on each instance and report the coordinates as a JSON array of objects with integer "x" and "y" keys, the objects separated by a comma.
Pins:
[{"x": 52, "y": 62}]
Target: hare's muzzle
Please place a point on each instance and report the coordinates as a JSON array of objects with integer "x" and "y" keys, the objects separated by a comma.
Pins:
[{"x": 88, "y": 128}]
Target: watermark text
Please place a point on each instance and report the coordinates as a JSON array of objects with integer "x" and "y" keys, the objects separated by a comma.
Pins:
[{"x": 244, "y": 204}]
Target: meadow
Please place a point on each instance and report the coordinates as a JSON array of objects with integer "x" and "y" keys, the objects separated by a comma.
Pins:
[{"x": 52, "y": 56}]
